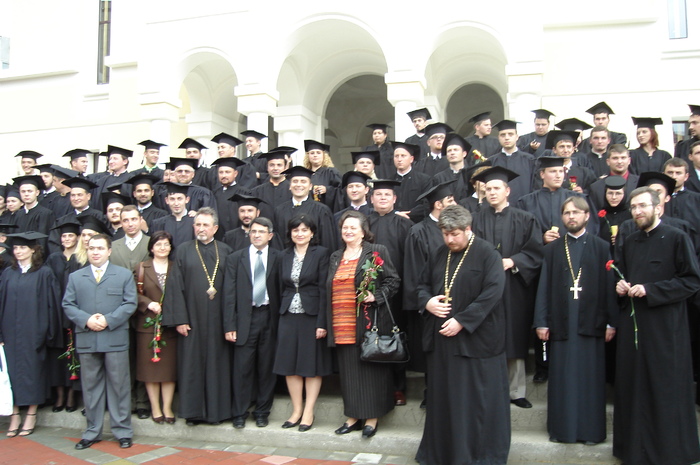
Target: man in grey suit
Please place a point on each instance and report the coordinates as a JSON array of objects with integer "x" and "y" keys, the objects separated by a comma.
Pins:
[{"x": 99, "y": 299}]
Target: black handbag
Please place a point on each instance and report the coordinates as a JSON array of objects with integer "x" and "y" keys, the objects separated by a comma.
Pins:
[{"x": 391, "y": 348}]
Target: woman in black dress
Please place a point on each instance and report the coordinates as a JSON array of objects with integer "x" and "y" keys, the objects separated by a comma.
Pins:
[{"x": 326, "y": 178}]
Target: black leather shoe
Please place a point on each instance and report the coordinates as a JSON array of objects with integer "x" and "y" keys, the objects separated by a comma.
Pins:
[
  {"x": 288, "y": 424},
  {"x": 521, "y": 402},
  {"x": 345, "y": 429},
  {"x": 125, "y": 443},
  {"x": 239, "y": 422},
  {"x": 85, "y": 443},
  {"x": 368, "y": 431},
  {"x": 191, "y": 422},
  {"x": 305, "y": 428},
  {"x": 70, "y": 409},
  {"x": 540, "y": 377},
  {"x": 57, "y": 408},
  {"x": 142, "y": 413},
  {"x": 261, "y": 421}
]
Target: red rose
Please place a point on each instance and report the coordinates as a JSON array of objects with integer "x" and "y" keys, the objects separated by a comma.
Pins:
[
  {"x": 378, "y": 260},
  {"x": 157, "y": 350},
  {"x": 572, "y": 179},
  {"x": 602, "y": 214},
  {"x": 73, "y": 377},
  {"x": 609, "y": 265},
  {"x": 157, "y": 338},
  {"x": 68, "y": 357},
  {"x": 375, "y": 253},
  {"x": 155, "y": 359}
]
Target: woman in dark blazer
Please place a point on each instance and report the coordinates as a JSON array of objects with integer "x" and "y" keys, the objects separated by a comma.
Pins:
[
  {"x": 159, "y": 376},
  {"x": 366, "y": 387},
  {"x": 302, "y": 354}
]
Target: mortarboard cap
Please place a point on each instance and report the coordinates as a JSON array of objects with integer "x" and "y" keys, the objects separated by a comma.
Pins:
[
  {"x": 175, "y": 162},
  {"x": 553, "y": 137},
  {"x": 142, "y": 178},
  {"x": 354, "y": 177},
  {"x": 480, "y": 117},
  {"x": 295, "y": 171},
  {"x": 419, "y": 113},
  {"x": 600, "y": 107},
  {"x": 276, "y": 154},
  {"x": 252, "y": 133},
  {"x": 28, "y": 238},
  {"x": 694, "y": 110},
  {"x": 414, "y": 150},
  {"x": 45, "y": 168},
  {"x": 68, "y": 226},
  {"x": 29, "y": 154},
  {"x": 646, "y": 122},
  {"x": 506, "y": 124},
  {"x": 468, "y": 174},
  {"x": 5, "y": 228},
  {"x": 244, "y": 200},
  {"x": 375, "y": 126},
  {"x": 385, "y": 184},
  {"x": 655, "y": 177},
  {"x": 176, "y": 188},
  {"x": 551, "y": 161},
  {"x": 94, "y": 224},
  {"x": 615, "y": 182},
  {"x": 310, "y": 144},
  {"x": 109, "y": 198},
  {"x": 284, "y": 148},
  {"x": 371, "y": 154},
  {"x": 223, "y": 138},
  {"x": 437, "y": 128},
  {"x": 32, "y": 179},
  {"x": 495, "y": 173},
  {"x": 191, "y": 144},
  {"x": 438, "y": 192},
  {"x": 113, "y": 149},
  {"x": 80, "y": 182},
  {"x": 231, "y": 162},
  {"x": 63, "y": 173},
  {"x": 573, "y": 124},
  {"x": 11, "y": 191},
  {"x": 77, "y": 153},
  {"x": 542, "y": 113},
  {"x": 150, "y": 145},
  {"x": 455, "y": 139}
]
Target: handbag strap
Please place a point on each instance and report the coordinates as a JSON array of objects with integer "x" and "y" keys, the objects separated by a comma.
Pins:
[{"x": 391, "y": 315}]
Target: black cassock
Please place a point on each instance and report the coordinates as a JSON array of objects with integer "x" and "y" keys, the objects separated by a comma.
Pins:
[
  {"x": 682, "y": 149},
  {"x": 107, "y": 180},
  {"x": 204, "y": 356},
  {"x": 413, "y": 184},
  {"x": 272, "y": 196},
  {"x": 597, "y": 190},
  {"x": 468, "y": 418},
  {"x": 486, "y": 146},
  {"x": 30, "y": 323},
  {"x": 258, "y": 161},
  {"x": 420, "y": 141},
  {"x": 685, "y": 205},
  {"x": 523, "y": 164},
  {"x": 386, "y": 168},
  {"x": 628, "y": 227},
  {"x": 599, "y": 165},
  {"x": 326, "y": 229},
  {"x": 654, "y": 420},
  {"x": 516, "y": 235},
  {"x": 237, "y": 239},
  {"x": 431, "y": 166},
  {"x": 459, "y": 187},
  {"x": 57, "y": 203},
  {"x": 576, "y": 389},
  {"x": 329, "y": 177},
  {"x": 641, "y": 161},
  {"x": 525, "y": 140},
  {"x": 228, "y": 209},
  {"x": 38, "y": 219},
  {"x": 182, "y": 231}
]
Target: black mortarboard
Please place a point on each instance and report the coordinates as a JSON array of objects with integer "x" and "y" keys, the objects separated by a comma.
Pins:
[
  {"x": 252, "y": 133},
  {"x": 646, "y": 122},
  {"x": 295, "y": 171},
  {"x": 694, "y": 109},
  {"x": 600, "y": 107},
  {"x": 80, "y": 182},
  {"x": 5, "y": 228},
  {"x": 112, "y": 197},
  {"x": 555, "y": 136},
  {"x": 542, "y": 113},
  {"x": 615, "y": 182},
  {"x": 353, "y": 177},
  {"x": 655, "y": 177},
  {"x": 385, "y": 184},
  {"x": 116, "y": 187},
  {"x": 455, "y": 139},
  {"x": 142, "y": 178},
  {"x": 419, "y": 113},
  {"x": 29, "y": 154},
  {"x": 550, "y": 162},
  {"x": 231, "y": 162},
  {"x": 414, "y": 150},
  {"x": 507, "y": 124},
  {"x": 149, "y": 144},
  {"x": 176, "y": 188},
  {"x": 438, "y": 192},
  {"x": 244, "y": 199},
  {"x": 437, "y": 128},
  {"x": 77, "y": 153},
  {"x": 32, "y": 179},
  {"x": 496, "y": 173},
  {"x": 275, "y": 154},
  {"x": 175, "y": 162},
  {"x": 573, "y": 124},
  {"x": 45, "y": 168},
  {"x": 310, "y": 144},
  {"x": 113, "y": 149},
  {"x": 223, "y": 138},
  {"x": 375, "y": 126},
  {"x": 284, "y": 148},
  {"x": 371, "y": 154},
  {"x": 480, "y": 117},
  {"x": 467, "y": 174},
  {"x": 68, "y": 226},
  {"x": 63, "y": 173},
  {"x": 92, "y": 223},
  {"x": 28, "y": 238},
  {"x": 191, "y": 144},
  {"x": 12, "y": 191}
]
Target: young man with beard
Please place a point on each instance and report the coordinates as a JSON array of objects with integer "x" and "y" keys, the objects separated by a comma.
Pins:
[
  {"x": 275, "y": 190},
  {"x": 683, "y": 147},
  {"x": 143, "y": 192},
  {"x": 419, "y": 118},
  {"x": 227, "y": 172},
  {"x": 248, "y": 210},
  {"x": 434, "y": 162}
]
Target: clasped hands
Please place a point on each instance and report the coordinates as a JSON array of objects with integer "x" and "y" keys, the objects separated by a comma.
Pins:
[
  {"x": 97, "y": 322},
  {"x": 438, "y": 307},
  {"x": 624, "y": 288}
]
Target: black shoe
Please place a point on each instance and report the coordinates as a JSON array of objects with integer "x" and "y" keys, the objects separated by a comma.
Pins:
[
  {"x": 345, "y": 429},
  {"x": 191, "y": 422},
  {"x": 70, "y": 409},
  {"x": 142, "y": 413},
  {"x": 305, "y": 428},
  {"x": 288, "y": 424},
  {"x": 423, "y": 403},
  {"x": 521, "y": 402},
  {"x": 368, "y": 431},
  {"x": 85, "y": 443},
  {"x": 82, "y": 412},
  {"x": 57, "y": 408},
  {"x": 261, "y": 421},
  {"x": 540, "y": 377},
  {"x": 125, "y": 443},
  {"x": 239, "y": 422}
]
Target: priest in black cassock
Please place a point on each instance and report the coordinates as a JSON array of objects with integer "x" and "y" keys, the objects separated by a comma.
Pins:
[
  {"x": 468, "y": 415},
  {"x": 483, "y": 145},
  {"x": 275, "y": 190},
  {"x": 248, "y": 208},
  {"x": 455, "y": 150},
  {"x": 654, "y": 418},
  {"x": 433, "y": 162},
  {"x": 576, "y": 312},
  {"x": 194, "y": 302},
  {"x": 534, "y": 143},
  {"x": 178, "y": 223},
  {"x": 419, "y": 118},
  {"x": 513, "y": 159},
  {"x": 516, "y": 236}
]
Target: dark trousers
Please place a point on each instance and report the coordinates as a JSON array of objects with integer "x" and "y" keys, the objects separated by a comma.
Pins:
[{"x": 252, "y": 366}]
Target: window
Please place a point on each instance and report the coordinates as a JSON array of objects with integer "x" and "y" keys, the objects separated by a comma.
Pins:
[
  {"x": 677, "y": 19},
  {"x": 4, "y": 52},
  {"x": 105, "y": 26},
  {"x": 680, "y": 131}
]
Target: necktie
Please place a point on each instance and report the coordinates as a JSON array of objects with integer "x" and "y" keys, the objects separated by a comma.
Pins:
[
  {"x": 98, "y": 275},
  {"x": 259, "y": 287}
]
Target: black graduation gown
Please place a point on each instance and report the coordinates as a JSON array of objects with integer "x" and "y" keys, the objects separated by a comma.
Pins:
[
  {"x": 248, "y": 176},
  {"x": 654, "y": 419},
  {"x": 421, "y": 141},
  {"x": 204, "y": 356},
  {"x": 693, "y": 182},
  {"x": 468, "y": 418},
  {"x": 365, "y": 209},
  {"x": 228, "y": 209},
  {"x": 576, "y": 389},
  {"x": 205, "y": 177},
  {"x": 38, "y": 219},
  {"x": 104, "y": 182},
  {"x": 546, "y": 206},
  {"x": 326, "y": 229},
  {"x": 523, "y": 164},
  {"x": 430, "y": 166},
  {"x": 157, "y": 172},
  {"x": 486, "y": 146},
  {"x": 614, "y": 216},
  {"x": 516, "y": 235},
  {"x": 199, "y": 197},
  {"x": 642, "y": 162},
  {"x": 682, "y": 149},
  {"x": 598, "y": 164},
  {"x": 30, "y": 323},
  {"x": 596, "y": 194},
  {"x": 237, "y": 239},
  {"x": 55, "y": 236},
  {"x": 258, "y": 161},
  {"x": 272, "y": 196},
  {"x": 525, "y": 140},
  {"x": 413, "y": 184},
  {"x": 386, "y": 168},
  {"x": 152, "y": 213},
  {"x": 182, "y": 231},
  {"x": 329, "y": 177},
  {"x": 577, "y": 172},
  {"x": 459, "y": 187},
  {"x": 472, "y": 203},
  {"x": 615, "y": 138}
]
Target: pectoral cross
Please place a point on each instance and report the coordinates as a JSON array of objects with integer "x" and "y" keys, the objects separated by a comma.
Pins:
[
  {"x": 575, "y": 289},
  {"x": 447, "y": 298},
  {"x": 211, "y": 292}
]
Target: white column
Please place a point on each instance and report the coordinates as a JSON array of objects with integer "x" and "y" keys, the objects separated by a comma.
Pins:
[
  {"x": 293, "y": 124},
  {"x": 258, "y": 105},
  {"x": 524, "y": 93},
  {"x": 406, "y": 92}
]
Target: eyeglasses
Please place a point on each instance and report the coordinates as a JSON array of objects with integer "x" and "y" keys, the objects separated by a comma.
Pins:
[
  {"x": 640, "y": 206},
  {"x": 573, "y": 213}
]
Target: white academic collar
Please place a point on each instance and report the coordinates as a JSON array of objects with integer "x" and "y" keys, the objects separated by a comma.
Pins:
[
  {"x": 404, "y": 174},
  {"x": 145, "y": 207},
  {"x": 26, "y": 210},
  {"x": 49, "y": 190},
  {"x": 583, "y": 231},
  {"x": 297, "y": 203}
]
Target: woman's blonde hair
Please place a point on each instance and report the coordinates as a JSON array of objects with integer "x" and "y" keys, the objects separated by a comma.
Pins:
[{"x": 326, "y": 163}]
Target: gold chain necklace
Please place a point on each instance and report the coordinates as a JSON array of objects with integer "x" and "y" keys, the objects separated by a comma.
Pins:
[
  {"x": 575, "y": 288},
  {"x": 448, "y": 287},
  {"x": 211, "y": 292}
]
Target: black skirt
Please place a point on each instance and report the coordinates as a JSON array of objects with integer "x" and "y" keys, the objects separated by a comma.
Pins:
[
  {"x": 366, "y": 387},
  {"x": 299, "y": 353}
]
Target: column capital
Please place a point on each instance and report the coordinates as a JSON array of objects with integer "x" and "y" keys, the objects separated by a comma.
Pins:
[
  {"x": 405, "y": 87},
  {"x": 256, "y": 99}
]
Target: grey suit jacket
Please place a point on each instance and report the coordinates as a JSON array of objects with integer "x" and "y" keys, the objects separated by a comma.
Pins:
[
  {"x": 122, "y": 256},
  {"x": 114, "y": 297}
]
